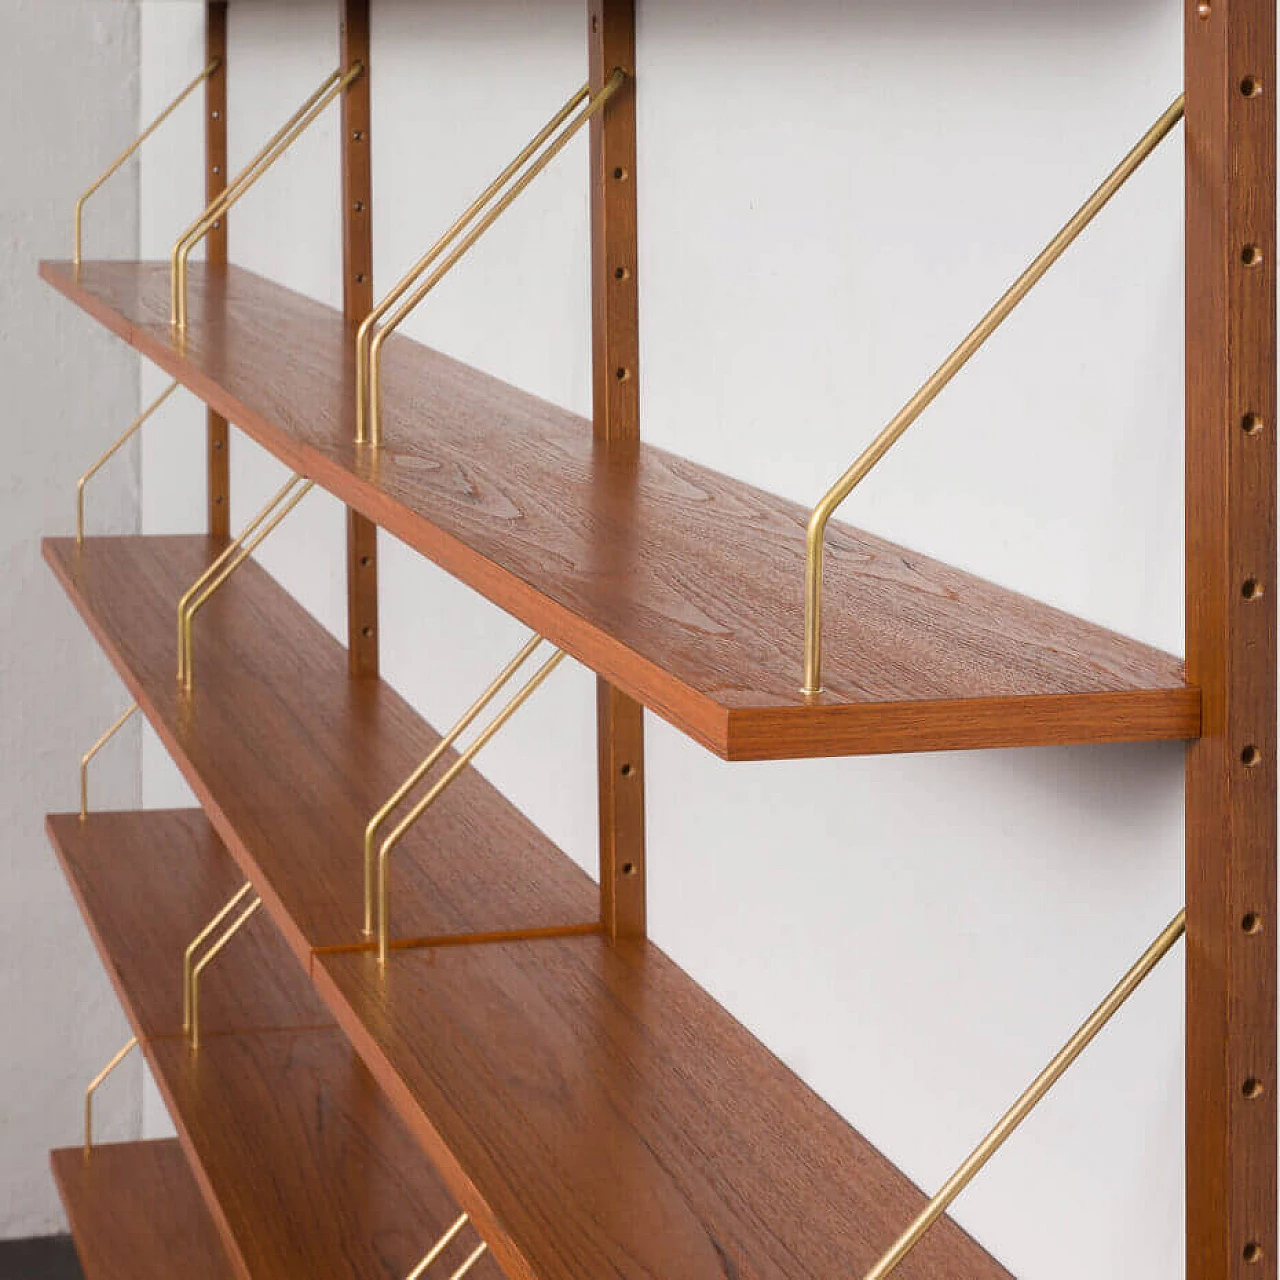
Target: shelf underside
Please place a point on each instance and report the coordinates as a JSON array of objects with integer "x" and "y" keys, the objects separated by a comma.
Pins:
[
  {"x": 681, "y": 586},
  {"x": 136, "y": 1214},
  {"x": 304, "y": 1166},
  {"x": 592, "y": 1108}
]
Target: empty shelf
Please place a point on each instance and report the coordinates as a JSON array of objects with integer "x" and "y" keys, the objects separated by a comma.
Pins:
[{"x": 679, "y": 584}]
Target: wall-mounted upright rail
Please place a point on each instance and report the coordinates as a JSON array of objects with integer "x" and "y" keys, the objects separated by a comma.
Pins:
[
  {"x": 1230, "y": 52},
  {"x": 615, "y": 365},
  {"x": 216, "y": 248}
]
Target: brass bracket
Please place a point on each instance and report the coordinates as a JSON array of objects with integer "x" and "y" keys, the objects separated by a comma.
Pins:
[
  {"x": 94, "y": 1085},
  {"x": 1040, "y": 1086},
  {"x": 231, "y": 558},
  {"x": 220, "y": 205},
  {"x": 110, "y": 453},
  {"x": 191, "y": 972},
  {"x": 816, "y": 531},
  {"x": 440, "y": 1246},
  {"x": 369, "y": 338},
  {"x": 93, "y": 751},
  {"x": 375, "y": 861},
  {"x": 214, "y": 64}
]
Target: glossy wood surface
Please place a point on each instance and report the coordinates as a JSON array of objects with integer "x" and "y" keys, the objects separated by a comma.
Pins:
[
  {"x": 600, "y": 1115},
  {"x": 679, "y": 585},
  {"x": 290, "y": 756},
  {"x": 146, "y": 884},
  {"x": 136, "y": 1213},
  {"x": 1231, "y": 1064}
]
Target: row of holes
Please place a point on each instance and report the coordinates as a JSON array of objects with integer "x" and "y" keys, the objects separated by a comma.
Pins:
[{"x": 1251, "y": 756}]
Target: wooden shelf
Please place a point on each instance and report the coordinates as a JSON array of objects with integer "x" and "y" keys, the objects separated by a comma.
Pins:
[
  {"x": 136, "y": 1214},
  {"x": 304, "y": 1166},
  {"x": 290, "y": 756},
  {"x": 679, "y": 585},
  {"x": 599, "y": 1114}
]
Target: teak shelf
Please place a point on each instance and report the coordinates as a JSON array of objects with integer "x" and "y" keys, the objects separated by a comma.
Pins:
[{"x": 468, "y": 1059}]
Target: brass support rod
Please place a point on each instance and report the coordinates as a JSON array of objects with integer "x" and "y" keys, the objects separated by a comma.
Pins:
[
  {"x": 527, "y": 690},
  {"x": 93, "y": 751},
  {"x": 437, "y": 1249},
  {"x": 281, "y": 141},
  {"x": 1028, "y": 1101},
  {"x": 476, "y": 1254},
  {"x": 196, "y": 943},
  {"x": 374, "y": 341},
  {"x": 94, "y": 1085},
  {"x": 110, "y": 453},
  {"x": 367, "y": 325},
  {"x": 208, "y": 957},
  {"x": 214, "y": 64},
  {"x": 956, "y": 361},
  {"x": 246, "y": 549},
  {"x": 468, "y": 718},
  {"x": 219, "y": 561}
]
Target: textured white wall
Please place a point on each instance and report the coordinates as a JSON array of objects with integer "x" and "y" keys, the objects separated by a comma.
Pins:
[
  {"x": 831, "y": 193},
  {"x": 69, "y": 102}
]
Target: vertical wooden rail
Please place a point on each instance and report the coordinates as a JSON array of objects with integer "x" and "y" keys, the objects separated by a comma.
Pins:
[
  {"x": 1231, "y": 639},
  {"x": 215, "y": 180},
  {"x": 357, "y": 294},
  {"x": 616, "y": 396}
]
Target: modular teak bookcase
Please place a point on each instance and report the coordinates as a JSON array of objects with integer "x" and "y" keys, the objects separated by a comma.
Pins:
[{"x": 400, "y": 1033}]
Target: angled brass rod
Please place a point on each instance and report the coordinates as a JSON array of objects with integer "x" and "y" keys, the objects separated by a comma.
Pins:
[
  {"x": 826, "y": 508},
  {"x": 209, "y": 956},
  {"x": 367, "y": 325},
  {"x": 128, "y": 151},
  {"x": 373, "y": 359},
  {"x": 281, "y": 141},
  {"x": 1035, "y": 1092},
  {"x": 437, "y": 1249},
  {"x": 196, "y": 943},
  {"x": 93, "y": 751},
  {"x": 219, "y": 561},
  {"x": 468, "y": 718},
  {"x": 245, "y": 550},
  {"x": 94, "y": 1085},
  {"x": 526, "y": 691},
  {"x": 476, "y": 1254},
  {"x": 110, "y": 453}
]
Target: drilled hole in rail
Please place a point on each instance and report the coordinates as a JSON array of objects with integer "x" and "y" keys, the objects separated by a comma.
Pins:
[
  {"x": 1251, "y": 255},
  {"x": 1251, "y": 757},
  {"x": 622, "y": 374},
  {"x": 1252, "y": 1089},
  {"x": 1252, "y": 1252},
  {"x": 365, "y": 561},
  {"x": 625, "y": 771},
  {"x": 628, "y": 868},
  {"x": 1251, "y": 922},
  {"x": 1251, "y": 424},
  {"x": 367, "y": 632},
  {"x": 621, "y": 273},
  {"x": 1252, "y": 589},
  {"x": 620, "y": 174},
  {"x": 1251, "y": 86}
]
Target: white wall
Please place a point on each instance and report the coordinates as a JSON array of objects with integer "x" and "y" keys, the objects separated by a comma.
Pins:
[
  {"x": 69, "y": 102},
  {"x": 831, "y": 193}
]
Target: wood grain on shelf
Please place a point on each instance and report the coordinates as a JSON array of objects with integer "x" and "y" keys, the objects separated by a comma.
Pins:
[
  {"x": 600, "y": 1115},
  {"x": 146, "y": 884},
  {"x": 304, "y": 1165},
  {"x": 290, "y": 756},
  {"x": 136, "y": 1213},
  {"x": 680, "y": 586}
]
